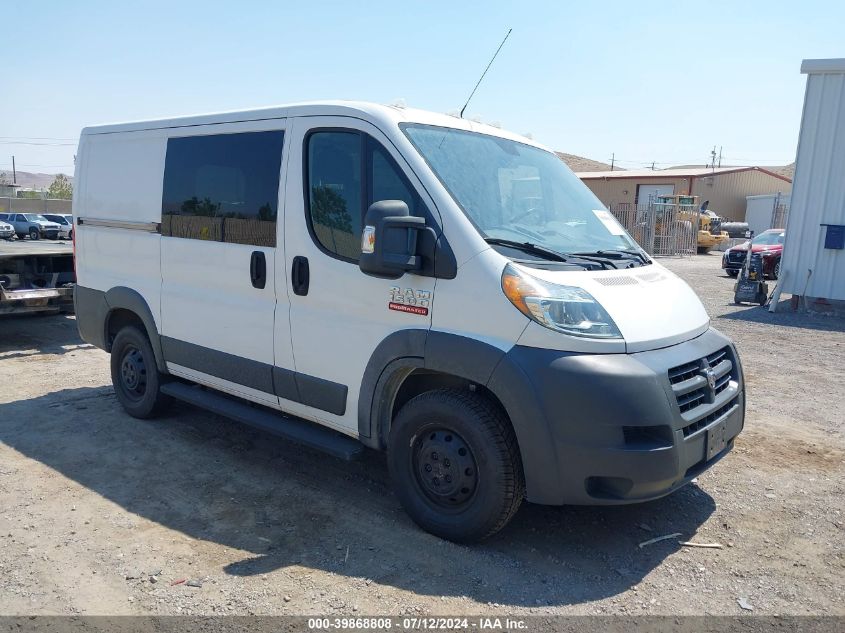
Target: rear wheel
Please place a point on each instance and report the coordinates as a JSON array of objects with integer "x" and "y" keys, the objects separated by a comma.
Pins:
[
  {"x": 134, "y": 374},
  {"x": 33, "y": 233},
  {"x": 732, "y": 273},
  {"x": 455, "y": 465},
  {"x": 776, "y": 270}
]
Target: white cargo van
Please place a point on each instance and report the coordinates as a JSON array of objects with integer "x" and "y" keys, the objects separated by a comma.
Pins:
[{"x": 349, "y": 275}]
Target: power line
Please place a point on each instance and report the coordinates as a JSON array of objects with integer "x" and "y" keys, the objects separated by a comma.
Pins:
[
  {"x": 9, "y": 165},
  {"x": 37, "y": 143},
  {"x": 36, "y": 138}
]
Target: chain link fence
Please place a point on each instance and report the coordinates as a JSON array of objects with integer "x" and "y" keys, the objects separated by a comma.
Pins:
[{"x": 662, "y": 230}]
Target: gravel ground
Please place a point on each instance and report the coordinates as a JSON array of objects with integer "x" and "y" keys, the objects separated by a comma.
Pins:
[{"x": 103, "y": 514}]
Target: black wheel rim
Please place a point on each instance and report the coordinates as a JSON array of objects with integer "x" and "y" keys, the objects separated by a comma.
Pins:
[
  {"x": 444, "y": 467},
  {"x": 133, "y": 373}
]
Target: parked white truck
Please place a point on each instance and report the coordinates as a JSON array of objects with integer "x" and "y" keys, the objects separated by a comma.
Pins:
[{"x": 379, "y": 276}]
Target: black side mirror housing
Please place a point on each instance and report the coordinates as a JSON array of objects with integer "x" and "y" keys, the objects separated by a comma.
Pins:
[{"x": 389, "y": 240}]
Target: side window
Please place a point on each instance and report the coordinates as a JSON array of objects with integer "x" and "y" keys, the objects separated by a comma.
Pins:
[
  {"x": 386, "y": 181},
  {"x": 347, "y": 172},
  {"x": 223, "y": 187},
  {"x": 20, "y": 218},
  {"x": 335, "y": 191}
]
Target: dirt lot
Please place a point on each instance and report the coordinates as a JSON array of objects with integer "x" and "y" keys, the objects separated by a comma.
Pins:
[{"x": 102, "y": 514}]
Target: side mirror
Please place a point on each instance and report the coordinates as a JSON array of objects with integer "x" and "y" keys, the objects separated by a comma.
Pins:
[{"x": 389, "y": 240}]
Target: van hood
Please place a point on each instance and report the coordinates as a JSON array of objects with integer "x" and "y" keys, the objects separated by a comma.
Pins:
[{"x": 651, "y": 306}]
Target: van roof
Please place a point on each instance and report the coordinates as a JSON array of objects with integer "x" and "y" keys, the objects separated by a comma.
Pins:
[{"x": 377, "y": 113}]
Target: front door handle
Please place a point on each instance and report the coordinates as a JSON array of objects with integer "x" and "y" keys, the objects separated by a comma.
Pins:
[
  {"x": 258, "y": 269},
  {"x": 300, "y": 275}
]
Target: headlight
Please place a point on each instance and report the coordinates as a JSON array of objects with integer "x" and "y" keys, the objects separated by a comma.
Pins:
[{"x": 561, "y": 308}]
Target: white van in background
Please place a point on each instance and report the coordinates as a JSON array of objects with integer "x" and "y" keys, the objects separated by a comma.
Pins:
[{"x": 402, "y": 280}]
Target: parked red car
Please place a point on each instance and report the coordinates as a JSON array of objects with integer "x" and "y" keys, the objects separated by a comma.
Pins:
[{"x": 770, "y": 246}]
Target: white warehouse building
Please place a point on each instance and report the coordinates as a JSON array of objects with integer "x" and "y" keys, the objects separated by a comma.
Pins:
[{"x": 814, "y": 253}]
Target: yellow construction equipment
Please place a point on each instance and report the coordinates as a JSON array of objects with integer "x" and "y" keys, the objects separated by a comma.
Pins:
[{"x": 687, "y": 209}]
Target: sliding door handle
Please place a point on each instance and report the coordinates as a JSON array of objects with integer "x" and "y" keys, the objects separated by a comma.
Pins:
[
  {"x": 300, "y": 275},
  {"x": 258, "y": 269}
]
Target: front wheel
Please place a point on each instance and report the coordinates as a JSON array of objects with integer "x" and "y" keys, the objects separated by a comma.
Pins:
[
  {"x": 455, "y": 465},
  {"x": 776, "y": 270},
  {"x": 134, "y": 374},
  {"x": 34, "y": 234}
]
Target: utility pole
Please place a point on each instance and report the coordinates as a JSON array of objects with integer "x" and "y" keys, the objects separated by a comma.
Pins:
[
  {"x": 720, "y": 155},
  {"x": 612, "y": 161},
  {"x": 652, "y": 165},
  {"x": 713, "y": 158},
  {"x": 14, "y": 173}
]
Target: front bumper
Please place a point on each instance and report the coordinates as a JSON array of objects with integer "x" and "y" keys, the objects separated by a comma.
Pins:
[
  {"x": 621, "y": 428},
  {"x": 733, "y": 263}
]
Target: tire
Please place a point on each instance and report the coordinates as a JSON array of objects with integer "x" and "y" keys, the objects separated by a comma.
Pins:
[
  {"x": 776, "y": 270},
  {"x": 70, "y": 234},
  {"x": 433, "y": 432},
  {"x": 732, "y": 273},
  {"x": 703, "y": 250},
  {"x": 34, "y": 234},
  {"x": 134, "y": 374}
]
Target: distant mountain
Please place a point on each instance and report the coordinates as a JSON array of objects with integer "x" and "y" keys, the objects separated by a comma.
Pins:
[
  {"x": 787, "y": 171},
  {"x": 29, "y": 180},
  {"x": 579, "y": 163}
]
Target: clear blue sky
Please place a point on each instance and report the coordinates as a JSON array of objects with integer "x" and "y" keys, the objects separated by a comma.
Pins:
[{"x": 650, "y": 81}]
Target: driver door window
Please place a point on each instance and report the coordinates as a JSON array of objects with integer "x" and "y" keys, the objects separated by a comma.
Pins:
[{"x": 346, "y": 172}]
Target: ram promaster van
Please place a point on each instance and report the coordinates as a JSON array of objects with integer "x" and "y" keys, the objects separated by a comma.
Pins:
[{"x": 352, "y": 275}]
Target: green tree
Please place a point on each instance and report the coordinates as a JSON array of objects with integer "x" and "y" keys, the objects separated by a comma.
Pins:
[
  {"x": 329, "y": 208},
  {"x": 60, "y": 188},
  {"x": 4, "y": 178},
  {"x": 204, "y": 207}
]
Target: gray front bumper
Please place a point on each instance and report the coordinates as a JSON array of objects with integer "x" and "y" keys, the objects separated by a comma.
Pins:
[{"x": 613, "y": 428}]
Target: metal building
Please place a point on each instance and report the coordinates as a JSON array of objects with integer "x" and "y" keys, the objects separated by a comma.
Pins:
[
  {"x": 813, "y": 262},
  {"x": 725, "y": 187}
]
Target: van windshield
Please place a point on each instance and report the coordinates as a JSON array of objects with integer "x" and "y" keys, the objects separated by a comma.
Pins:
[{"x": 513, "y": 191}]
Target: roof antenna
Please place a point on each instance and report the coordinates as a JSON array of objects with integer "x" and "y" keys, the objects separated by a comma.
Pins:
[{"x": 485, "y": 72}]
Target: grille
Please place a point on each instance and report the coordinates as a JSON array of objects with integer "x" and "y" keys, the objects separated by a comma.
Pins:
[
  {"x": 736, "y": 256},
  {"x": 617, "y": 281},
  {"x": 690, "y": 381},
  {"x": 689, "y": 429}
]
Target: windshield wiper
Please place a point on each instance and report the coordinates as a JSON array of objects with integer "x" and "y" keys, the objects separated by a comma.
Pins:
[
  {"x": 547, "y": 253},
  {"x": 619, "y": 254},
  {"x": 527, "y": 247}
]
